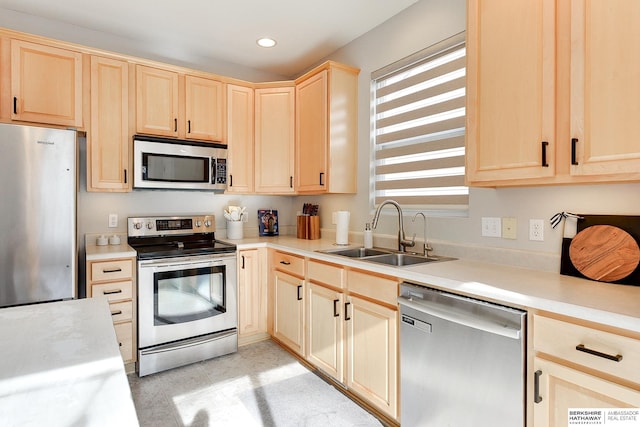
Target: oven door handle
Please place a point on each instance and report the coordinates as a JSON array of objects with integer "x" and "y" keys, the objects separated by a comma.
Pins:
[{"x": 184, "y": 263}]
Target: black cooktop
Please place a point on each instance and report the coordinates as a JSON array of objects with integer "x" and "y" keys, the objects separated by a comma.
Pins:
[{"x": 150, "y": 248}]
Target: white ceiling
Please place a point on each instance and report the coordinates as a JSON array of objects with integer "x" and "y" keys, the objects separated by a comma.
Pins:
[{"x": 306, "y": 31}]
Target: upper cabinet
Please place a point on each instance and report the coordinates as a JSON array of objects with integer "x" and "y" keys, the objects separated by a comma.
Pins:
[
  {"x": 108, "y": 137},
  {"x": 156, "y": 101},
  {"x": 46, "y": 84},
  {"x": 510, "y": 90},
  {"x": 275, "y": 138},
  {"x": 204, "y": 109},
  {"x": 240, "y": 122},
  {"x": 179, "y": 106},
  {"x": 326, "y": 130},
  {"x": 605, "y": 88},
  {"x": 551, "y": 92}
]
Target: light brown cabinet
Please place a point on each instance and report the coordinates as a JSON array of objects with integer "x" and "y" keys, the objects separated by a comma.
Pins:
[
  {"x": 252, "y": 295},
  {"x": 550, "y": 92},
  {"x": 114, "y": 279},
  {"x": 578, "y": 365},
  {"x": 274, "y": 140},
  {"x": 179, "y": 106},
  {"x": 287, "y": 300},
  {"x": 46, "y": 84},
  {"x": 352, "y": 322},
  {"x": 108, "y": 167},
  {"x": 326, "y": 130},
  {"x": 240, "y": 140}
]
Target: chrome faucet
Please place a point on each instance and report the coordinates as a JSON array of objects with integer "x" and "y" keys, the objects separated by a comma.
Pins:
[
  {"x": 426, "y": 247},
  {"x": 403, "y": 243}
]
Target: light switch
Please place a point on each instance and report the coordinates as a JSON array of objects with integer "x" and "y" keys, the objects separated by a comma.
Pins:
[{"x": 113, "y": 220}]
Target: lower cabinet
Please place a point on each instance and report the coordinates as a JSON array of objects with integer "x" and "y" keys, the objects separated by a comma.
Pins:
[
  {"x": 287, "y": 299},
  {"x": 372, "y": 347},
  {"x": 352, "y": 331},
  {"x": 578, "y": 366},
  {"x": 252, "y": 296},
  {"x": 114, "y": 279}
]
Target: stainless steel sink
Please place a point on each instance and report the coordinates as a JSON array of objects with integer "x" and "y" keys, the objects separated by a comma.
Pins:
[
  {"x": 401, "y": 259},
  {"x": 356, "y": 252},
  {"x": 385, "y": 256}
]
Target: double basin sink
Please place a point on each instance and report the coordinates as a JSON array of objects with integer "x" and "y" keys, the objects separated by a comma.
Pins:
[{"x": 385, "y": 256}]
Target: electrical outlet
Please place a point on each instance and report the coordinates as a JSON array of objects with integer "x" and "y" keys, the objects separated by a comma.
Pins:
[
  {"x": 491, "y": 227},
  {"x": 113, "y": 220},
  {"x": 536, "y": 229},
  {"x": 509, "y": 228}
]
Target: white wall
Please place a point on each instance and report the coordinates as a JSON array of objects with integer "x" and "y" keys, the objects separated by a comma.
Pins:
[{"x": 418, "y": 27}]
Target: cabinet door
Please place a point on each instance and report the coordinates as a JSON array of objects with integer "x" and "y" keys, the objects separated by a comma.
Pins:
[
  {"x": 204, "y": 109},
  {"x": 372, "y": 347},
  {"x": 275, "y": 137},
  {"x": 605, "y": 102},
  {"x": 510, "y": 90},
  {"x": 288, "y": 320},
  {"x": 562, "y": 388},
  {"x": 46, "y": 84},
  {"x": 240, "y": 147},
  {"x": 156, "y": 101},
  {"x": 252, "y": 313},
  {"x": 325, "y": 330},
  {"x": 108, "y": 142},
  {"x": 311, "y": 134}
]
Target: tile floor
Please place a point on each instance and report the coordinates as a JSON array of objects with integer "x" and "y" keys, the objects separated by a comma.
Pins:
[{"x": 260, "y": 385}]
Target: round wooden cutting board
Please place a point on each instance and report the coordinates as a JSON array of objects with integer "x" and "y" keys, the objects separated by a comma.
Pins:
[{"x": 604, "y": 252}]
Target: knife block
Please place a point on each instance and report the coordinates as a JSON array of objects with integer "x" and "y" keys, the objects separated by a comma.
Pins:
[{"x": 308, "y": 227}]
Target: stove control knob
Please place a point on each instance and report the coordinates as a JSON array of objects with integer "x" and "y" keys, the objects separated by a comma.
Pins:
[
  {"x": 150, "y": 225},
  {"x": 207, "y": 223},
  {"x": 137, "y": 225},
  {"x": 198, "y": 224}
]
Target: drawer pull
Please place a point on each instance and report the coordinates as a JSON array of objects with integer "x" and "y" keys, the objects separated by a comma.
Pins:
[
  {"x": 120, "y": 344},
  {"x": 616, "y": 358},
  {"x": 113, "y": 291},
  {"x": 346, "y": 311},
  {"x": 115, "y": 313},
  {"x": 335, "y": 308},
  {"x": 298, "y": 291},
  {"x": 536, "y": 386},
  {"x": 285, "y": 263},
  {"x": 545, "y": 144},
  {"x": 112, "y": 270}
]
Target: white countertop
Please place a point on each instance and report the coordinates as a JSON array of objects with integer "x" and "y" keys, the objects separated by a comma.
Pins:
[
  {"x": 61, "y": 366},
  {"x": 97, "y": 253},
  {"x": 607, "y": 303}
]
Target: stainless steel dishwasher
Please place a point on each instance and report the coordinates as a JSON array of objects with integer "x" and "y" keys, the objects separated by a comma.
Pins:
[{"x": 462, "y": 361}]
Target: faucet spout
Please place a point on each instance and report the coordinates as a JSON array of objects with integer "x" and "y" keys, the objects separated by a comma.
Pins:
[
  {"x": 426, "y": 248},
  {"x": 403, "y": 242}
]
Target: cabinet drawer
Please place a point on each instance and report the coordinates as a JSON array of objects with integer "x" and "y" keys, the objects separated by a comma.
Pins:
[
  {"x": 124, "y": 334},
  {"x": 289, "y": 263},
  {"x": 379, "y": 288},
  {"x": 111, "y": 270},
  {"x": 115, "y": 291},
  {"x": 328, "y": 274},
  {"x": 121, "y": 311},
  {"x": 560, "y": 339}
]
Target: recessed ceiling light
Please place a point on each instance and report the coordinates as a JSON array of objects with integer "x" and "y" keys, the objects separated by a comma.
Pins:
[{"x": 266, "y": 42}]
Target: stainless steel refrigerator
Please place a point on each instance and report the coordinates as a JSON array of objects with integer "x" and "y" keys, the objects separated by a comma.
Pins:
[{"x": 37, "y": 214}]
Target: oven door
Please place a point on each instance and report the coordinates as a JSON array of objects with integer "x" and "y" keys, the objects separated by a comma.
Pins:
[{"x": 185, "y": 297}]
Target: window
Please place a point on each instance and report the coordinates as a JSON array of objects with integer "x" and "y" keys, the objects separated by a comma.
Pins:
[{"x": 419, "y": 129}]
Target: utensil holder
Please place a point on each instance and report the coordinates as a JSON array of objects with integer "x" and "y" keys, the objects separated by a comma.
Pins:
[
  {"x": 234, "y": 230},
  {"x": 308, "y": 227}
]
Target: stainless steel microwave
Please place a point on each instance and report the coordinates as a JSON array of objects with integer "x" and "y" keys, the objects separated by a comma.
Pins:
[{"x": 169, "y": 164}]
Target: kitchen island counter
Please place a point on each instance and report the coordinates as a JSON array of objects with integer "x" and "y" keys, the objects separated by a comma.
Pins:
[{"x": 61, "y": 366}]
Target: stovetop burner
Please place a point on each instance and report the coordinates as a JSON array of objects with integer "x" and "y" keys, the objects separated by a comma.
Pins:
[{"x": 176, "y": 236}]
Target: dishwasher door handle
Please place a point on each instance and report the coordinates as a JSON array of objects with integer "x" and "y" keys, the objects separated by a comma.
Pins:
[{"x": 447, "y": 313}]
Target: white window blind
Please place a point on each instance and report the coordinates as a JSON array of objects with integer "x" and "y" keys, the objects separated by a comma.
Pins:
[{"x": 419, "y": 128}]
